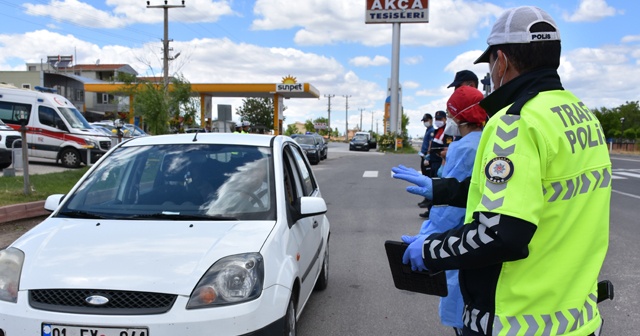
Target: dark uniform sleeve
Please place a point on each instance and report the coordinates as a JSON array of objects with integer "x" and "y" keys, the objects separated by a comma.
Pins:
[
  {"x": 450, "y": 191},
  {"x": 490, "y": 239}
]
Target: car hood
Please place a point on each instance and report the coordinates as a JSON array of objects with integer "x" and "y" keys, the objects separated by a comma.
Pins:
[{"x": 158, "y": 256}]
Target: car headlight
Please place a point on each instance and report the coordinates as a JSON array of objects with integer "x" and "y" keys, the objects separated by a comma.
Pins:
[
  {"x": 231, "y": 280},
  {"x": 90, "y": 143},
  {"x": 11, "y": 261}
]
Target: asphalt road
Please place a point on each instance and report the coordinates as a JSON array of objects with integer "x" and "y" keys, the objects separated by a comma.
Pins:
[{"x": 367, "y": 206}]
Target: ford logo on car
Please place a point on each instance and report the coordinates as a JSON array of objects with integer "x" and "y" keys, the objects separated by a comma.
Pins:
[{"x": 96, "y": 300}]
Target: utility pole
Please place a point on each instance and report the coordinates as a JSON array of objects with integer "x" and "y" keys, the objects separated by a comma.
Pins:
[
  {"x": 165, "y": 41},
  {"x": 346, "y": 118},
  {"x": 372, "y": 122},
  {"x": 361, "y": 109},
  {"x": 329, "y": 96}
]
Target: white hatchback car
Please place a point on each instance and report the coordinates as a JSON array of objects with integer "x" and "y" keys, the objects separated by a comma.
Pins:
[{"x": 184, "y": 234}]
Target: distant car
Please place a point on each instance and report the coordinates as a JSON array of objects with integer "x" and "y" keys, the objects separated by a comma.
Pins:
[
  {"x": 359, "y": 142},
  {"x": 135, "y": 130},
  {"x": 324, "y": 146},
  {"x": 311, "y": 146},
  {"x": 7, "y": 138},
  {"x": 174, "y": 235},
  {"x": 126, "y": 132},
  {"x": 194, "y": 130},
  {"x": 371, "y": 140}
]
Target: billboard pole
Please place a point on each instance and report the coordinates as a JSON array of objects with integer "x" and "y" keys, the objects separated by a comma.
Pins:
[{"x": 395, "y": 79}]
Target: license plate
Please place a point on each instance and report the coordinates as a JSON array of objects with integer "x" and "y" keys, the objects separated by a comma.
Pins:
[{"x": 49, "y": 329}]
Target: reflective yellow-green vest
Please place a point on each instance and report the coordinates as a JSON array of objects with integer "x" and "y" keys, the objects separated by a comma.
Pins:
[{"x": 549, "y": 166}]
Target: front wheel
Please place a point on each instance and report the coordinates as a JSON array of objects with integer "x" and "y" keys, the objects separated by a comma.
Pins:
[
  {"x": 70, "y": 158},
  {"x": 323, "y": 278},
  {"x": 290, "y": 322}
]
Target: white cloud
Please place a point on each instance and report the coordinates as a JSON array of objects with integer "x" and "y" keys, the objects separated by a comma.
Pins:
[
  {"x": 365, "y": 61},
  {"x": 591, "y": 11},
  {"x": 410, "y": 85},
  {"x": 413, "y": 60},
  {"x": 126, "y": 12},
  {"x": 607, "y": 76},
  {"x": 321, "y": 22},
  {"x": 631, "y": 38}
]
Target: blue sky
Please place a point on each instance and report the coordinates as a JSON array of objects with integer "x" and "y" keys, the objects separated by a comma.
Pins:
[{"x": 325, "y": 43}]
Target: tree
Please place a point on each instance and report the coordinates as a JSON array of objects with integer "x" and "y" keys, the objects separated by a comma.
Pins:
[
  {"x": 258, "y": 112},
  {"x": 291, "y": 129},
  {"x": 159, "y": 110},
  {"x": 325, "y": 121},
  {"x": 308, "y": 126}
]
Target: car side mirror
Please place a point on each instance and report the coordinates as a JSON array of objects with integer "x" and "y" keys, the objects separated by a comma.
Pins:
[
  {"x": 53, "y": 201},
  {"x": 310, "y": 206}
]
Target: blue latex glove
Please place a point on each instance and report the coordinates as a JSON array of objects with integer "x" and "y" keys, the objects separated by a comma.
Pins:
[
  {"x": 409, "y": 239},
  {"x": 413, "y": 254},
  {"x": 423, "y": 185},
  {"x": 427, "y": 157},
  {"x": 440, "y": 171}
]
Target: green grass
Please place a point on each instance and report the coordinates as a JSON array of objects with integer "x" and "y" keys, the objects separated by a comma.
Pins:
[{"x": 12, "y": 188}]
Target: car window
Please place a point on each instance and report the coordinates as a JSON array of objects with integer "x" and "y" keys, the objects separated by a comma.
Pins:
[
  {"x": 183, "y": 179},
  {"x": 305, "y": 140},
  {"x": 9, "y": 112},
  {"x": 308, "y": 184}
]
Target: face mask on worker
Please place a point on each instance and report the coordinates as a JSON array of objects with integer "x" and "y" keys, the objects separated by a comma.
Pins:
[
  {"x": 452, "y": 128},
  {"x": 427, "y": 124},
  {"x": 439, "y": 123},
  {"x": 493, "y": 84}
]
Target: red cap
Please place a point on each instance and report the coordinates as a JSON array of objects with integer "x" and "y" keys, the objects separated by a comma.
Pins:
[{"x": 463, "y": 106}]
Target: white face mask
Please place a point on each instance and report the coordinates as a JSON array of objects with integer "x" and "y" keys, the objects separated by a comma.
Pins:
[
  {"x": 493, "y": 84},
  {"x": 452, "y": 128},
  {"x": 439, "y": 123},
  {"x": 427, "y": 124}
]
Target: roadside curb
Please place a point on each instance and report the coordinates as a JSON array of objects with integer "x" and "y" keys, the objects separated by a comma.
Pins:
[{"x": 15, "y": 212}]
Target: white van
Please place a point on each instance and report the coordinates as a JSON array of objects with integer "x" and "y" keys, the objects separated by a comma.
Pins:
[
  {"x": 7, "y": 137},
  {"x": 55, "y": 128}
]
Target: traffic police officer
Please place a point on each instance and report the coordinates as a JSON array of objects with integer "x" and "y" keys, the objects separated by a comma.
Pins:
[{"x": 537, "y": 221}]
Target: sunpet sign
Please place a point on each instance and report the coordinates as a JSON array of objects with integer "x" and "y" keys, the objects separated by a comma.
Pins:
[{"x": 397, "y": 11}]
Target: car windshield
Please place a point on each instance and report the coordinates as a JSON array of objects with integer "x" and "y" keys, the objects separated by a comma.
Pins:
[
  {"x": 168, "y": 182},
  {"x": 305, "y": 140},
  {"x": 74, "y": 118},
  {"x": 360, "y": 137}
]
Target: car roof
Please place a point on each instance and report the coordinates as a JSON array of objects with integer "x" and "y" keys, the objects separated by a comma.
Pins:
[{"x": 207, "y": 138}]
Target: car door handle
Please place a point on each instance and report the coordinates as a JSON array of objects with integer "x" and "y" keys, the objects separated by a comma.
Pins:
[{"x": 315, "y": 224}]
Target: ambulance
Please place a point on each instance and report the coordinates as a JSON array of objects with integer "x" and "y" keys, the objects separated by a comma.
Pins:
[{"x": 55, "y": 128}]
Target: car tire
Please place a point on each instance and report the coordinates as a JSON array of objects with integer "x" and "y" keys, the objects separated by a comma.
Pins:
[
  {"x": 70, "y": 158},
  {"x": 5, "y": 165},
  {"x": 290, "y": 323},
  {"x": 323, "y": 278}
]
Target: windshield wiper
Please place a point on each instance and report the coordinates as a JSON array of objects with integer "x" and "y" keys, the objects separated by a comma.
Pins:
[
  {"x": 81, "y": 214},
  {"x": 178, "y": 216}
]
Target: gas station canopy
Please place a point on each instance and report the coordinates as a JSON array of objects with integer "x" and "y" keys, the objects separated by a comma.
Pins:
[{"x": 289, "y": 88}]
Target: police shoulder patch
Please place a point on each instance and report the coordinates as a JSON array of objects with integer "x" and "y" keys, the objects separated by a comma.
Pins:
[{"x": 499, "y": 170}]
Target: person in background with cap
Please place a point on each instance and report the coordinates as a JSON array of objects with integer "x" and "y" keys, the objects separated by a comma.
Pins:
[
  {"x": 464, "y": 78},
  {"x": 246, "y": 127},
  {"x": 427, "y": 120},
  {"x": 464, "y": 110},
  {"x": 537, "y": 222},
  {"x": 433, "y": 159}
]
